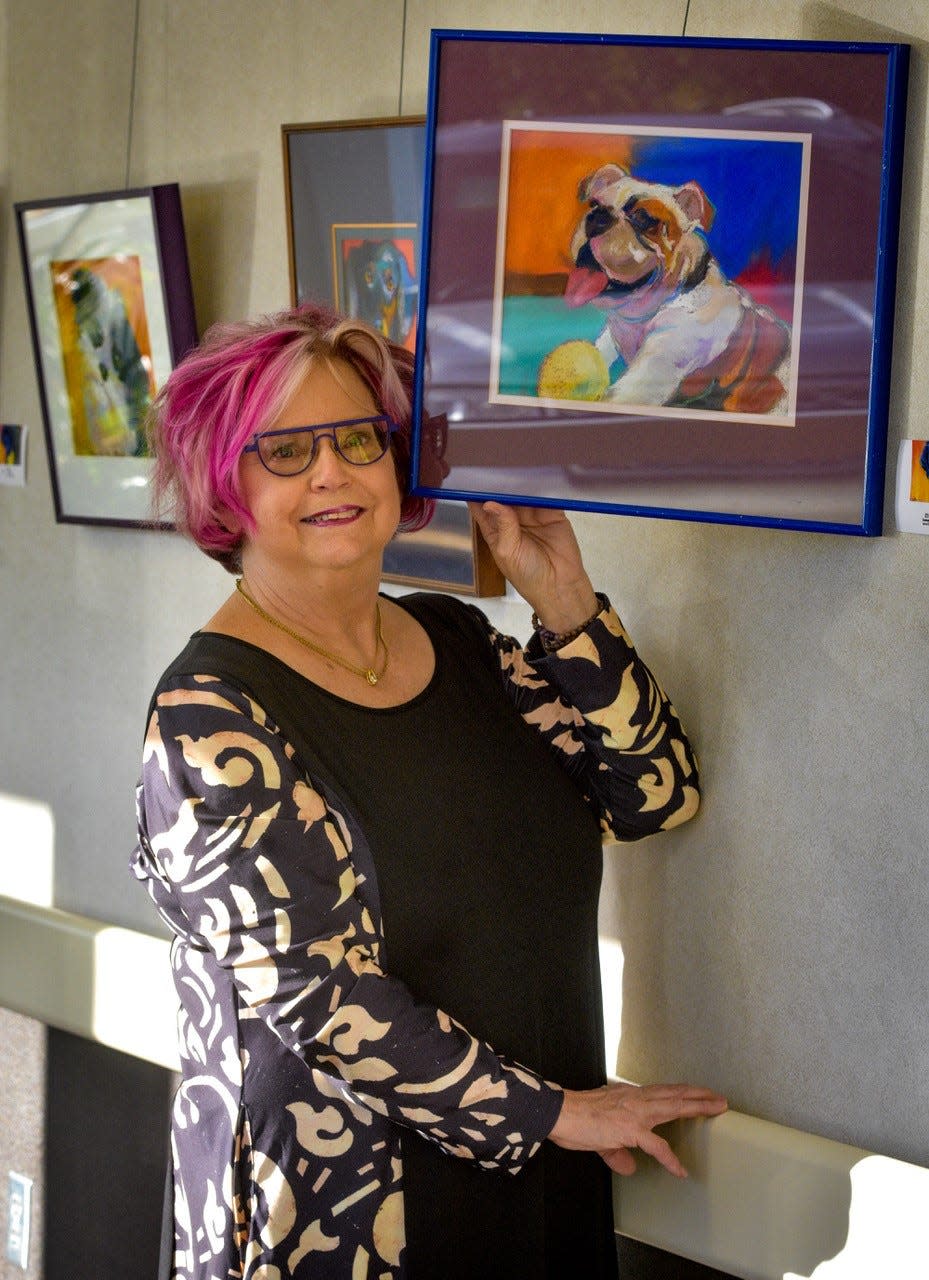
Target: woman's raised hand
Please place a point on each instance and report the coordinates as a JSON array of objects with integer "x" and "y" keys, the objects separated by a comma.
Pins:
[
  {"x": 618, "y": 1118},
  {"x": 537, "y": 551}
]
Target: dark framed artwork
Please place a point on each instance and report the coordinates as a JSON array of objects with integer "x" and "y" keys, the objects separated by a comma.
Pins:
[
  {"x": 354, "y": 192},
  {"x": 674, "y": 304},
  {"x": 111, "y": 312}
]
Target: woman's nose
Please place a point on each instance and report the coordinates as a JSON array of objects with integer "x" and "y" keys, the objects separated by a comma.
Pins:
[{"x": 328, "y": 467}]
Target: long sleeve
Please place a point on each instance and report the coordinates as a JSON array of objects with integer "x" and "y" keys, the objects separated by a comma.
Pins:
[
  {"x": 250, "y": 863},
  {"x": 615, "y": 730}
]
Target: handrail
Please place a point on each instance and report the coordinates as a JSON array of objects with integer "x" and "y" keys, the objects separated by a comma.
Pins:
[
  {"x": 763, "y": 1201},
  {"x": 93, "y": 979}
]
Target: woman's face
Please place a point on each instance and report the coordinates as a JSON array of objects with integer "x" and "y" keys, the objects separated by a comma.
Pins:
[{"x": 334, "y": 515}]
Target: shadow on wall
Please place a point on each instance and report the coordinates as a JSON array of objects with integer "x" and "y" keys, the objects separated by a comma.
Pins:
[
  {"x": 220, "y": 227},
  {"x": 825, "y": 21},
  {"x": 5, "y": 224}
]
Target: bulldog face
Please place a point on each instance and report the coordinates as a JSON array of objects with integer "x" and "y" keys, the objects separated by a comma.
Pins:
[{"x": 632, "y": 232}]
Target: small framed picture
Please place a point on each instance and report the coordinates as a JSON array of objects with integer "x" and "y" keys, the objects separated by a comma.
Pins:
[
  {"x": 13, "y": 453},
  {"x": 111, "y": 313},
  {"x": 912, "y": 496},
  {"x": 354, "y": 193},
  {"x": 674, "y": 303}
]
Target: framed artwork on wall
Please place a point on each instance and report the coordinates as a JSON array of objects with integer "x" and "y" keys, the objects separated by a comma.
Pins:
[
  {"x": 675, "y": 305},
  {"x": 111, "y": 312},
  {"x": 354, "y": 192}
]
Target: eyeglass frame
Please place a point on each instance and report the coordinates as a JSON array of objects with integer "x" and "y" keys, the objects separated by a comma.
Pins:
[{"x": 326, "y": 429}]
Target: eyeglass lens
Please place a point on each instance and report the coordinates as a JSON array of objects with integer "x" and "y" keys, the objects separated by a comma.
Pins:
[{"x": 288, "y": 453}]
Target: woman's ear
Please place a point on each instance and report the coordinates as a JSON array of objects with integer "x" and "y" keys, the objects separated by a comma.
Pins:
[{"x": 229, "y": 521}]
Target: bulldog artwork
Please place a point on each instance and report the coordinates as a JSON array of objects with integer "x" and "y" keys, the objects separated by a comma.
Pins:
[
  {"x": 687, "y": 336},
  {"x": 652, "y": 271}
]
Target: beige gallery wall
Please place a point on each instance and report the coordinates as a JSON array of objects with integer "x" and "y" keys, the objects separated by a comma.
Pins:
[{"x": 777, "y": 946}]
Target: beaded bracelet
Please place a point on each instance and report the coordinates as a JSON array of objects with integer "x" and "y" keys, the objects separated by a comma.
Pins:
[{"x": 552, "y": 640}]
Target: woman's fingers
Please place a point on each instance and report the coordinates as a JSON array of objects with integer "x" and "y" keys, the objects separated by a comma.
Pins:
[
  {"x": 620, "y": 1160},
  {"x": 619, "y": 1117},
  {"x": 537, "y": 551},
  {"x": 659, "y": 1150},
  {"x": 675, "y": 1101}
]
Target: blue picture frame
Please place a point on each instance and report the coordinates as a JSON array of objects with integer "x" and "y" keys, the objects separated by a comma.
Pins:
[{"x": 679, "y": 307}]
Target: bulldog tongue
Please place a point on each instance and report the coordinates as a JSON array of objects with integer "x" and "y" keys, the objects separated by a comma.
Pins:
[{"x": 584, "y": 284}]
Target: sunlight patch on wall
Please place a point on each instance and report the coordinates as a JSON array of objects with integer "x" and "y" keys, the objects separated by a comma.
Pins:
[
  {"x": 611, "y": 978},
  {"x": 134, "y": 1002},
  {"x": 27, "y": 850},
  {"x": 888, "y": 1231}
]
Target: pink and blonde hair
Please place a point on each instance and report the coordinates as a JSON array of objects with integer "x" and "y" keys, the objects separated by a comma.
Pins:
[{"x": 236, "y": 383}]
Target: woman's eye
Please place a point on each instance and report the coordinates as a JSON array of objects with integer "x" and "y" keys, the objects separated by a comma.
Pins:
[
  {"x": 357, "y": 439},
  {"x": 287, "y": 449}
]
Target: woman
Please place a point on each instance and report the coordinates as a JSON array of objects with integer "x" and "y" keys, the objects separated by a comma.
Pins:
[{"x": 374, "y": 827}]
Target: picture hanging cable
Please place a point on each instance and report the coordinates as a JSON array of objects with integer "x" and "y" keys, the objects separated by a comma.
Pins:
[
  {"x": 402, "y": 60},
  {"x": 135, "y": 59}
]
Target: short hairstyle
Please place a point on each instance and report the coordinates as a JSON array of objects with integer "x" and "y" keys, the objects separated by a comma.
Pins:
[{"x": 236, "y": 383}]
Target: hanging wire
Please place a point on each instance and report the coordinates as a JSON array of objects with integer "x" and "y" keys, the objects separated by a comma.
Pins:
[
  {"x": 402, "y": 59},
  {"x": 135, "y": 59},
  {"x": 686, "y": 14}
]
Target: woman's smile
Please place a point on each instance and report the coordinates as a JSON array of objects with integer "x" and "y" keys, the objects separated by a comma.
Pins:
[{"x": 335, "y": 515}]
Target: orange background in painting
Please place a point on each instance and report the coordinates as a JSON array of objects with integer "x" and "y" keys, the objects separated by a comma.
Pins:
[
  {"x": 542, "y": 204},
  {"x": 405, "y": 247},
  {"x": 123, "y": 274},
  {"x": 919, "y": 483}
]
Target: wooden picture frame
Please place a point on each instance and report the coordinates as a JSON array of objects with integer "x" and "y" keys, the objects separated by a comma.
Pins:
[{"x": 354, "y": 191}]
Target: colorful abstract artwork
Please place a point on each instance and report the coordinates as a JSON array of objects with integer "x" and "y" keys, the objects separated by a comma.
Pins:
[
  {"x": 919, "y": 472},
  {"x": 11, "y": 444},
  {"x": 13, "y": 453},
  {"x": 650, "y": 270},
  {"x": 374, "y": 277},
  {"x": 106, "y": 352},
  {"x": 110, "y": 312}
]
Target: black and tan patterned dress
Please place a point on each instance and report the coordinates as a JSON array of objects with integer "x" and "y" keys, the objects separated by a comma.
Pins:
[{"x": 386, "y": 947}]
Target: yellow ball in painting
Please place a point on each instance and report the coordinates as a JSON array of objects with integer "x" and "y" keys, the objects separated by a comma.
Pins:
[{"x": 573, "y": 371}]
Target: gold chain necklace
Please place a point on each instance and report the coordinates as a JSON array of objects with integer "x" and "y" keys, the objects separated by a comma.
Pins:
[{"x": 367, "y": 673}]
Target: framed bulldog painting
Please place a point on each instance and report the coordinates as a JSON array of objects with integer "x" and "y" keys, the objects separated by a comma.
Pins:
[
  {"x": 111, "y": 312},
  {"x": 354, "y": 192},
  {"x": 675, "y": 304}
]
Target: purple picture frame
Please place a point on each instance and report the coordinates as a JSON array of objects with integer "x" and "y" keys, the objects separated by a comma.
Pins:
[
  {"x": 111, "y": 312},
  {"x": 795, "y": 149}
]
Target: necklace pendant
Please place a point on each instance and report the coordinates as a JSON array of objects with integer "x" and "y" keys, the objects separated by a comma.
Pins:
[{"x": 371, "y": 677}]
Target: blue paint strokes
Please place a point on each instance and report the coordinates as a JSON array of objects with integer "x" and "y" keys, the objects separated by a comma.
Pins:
[{"x": 753, "y": 184}]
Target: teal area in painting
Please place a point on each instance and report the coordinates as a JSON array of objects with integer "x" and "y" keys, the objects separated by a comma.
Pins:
[{"x": 531, "y": 328}]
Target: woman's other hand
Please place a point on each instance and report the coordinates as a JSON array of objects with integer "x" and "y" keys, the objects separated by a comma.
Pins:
[
  {"x": 617, "y": 1118},
  {"x": 537, "y": 551}
]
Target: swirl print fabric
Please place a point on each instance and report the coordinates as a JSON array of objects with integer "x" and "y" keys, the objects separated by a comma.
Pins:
[{"x": 301, "y": 1056}]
